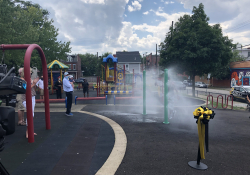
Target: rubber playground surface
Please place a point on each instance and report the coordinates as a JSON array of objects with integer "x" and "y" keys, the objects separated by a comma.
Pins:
[{"x": 92, "y": 140}]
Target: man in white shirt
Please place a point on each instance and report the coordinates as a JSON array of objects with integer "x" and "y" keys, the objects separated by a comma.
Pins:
[
  {"x": 67, "y": 87},
  {"x": 41, "y": 87}
]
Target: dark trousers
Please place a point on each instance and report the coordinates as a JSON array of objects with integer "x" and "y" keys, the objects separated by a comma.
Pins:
[
  {"x": 58, "y": 93},
  {"x": 69, "y": 101}
]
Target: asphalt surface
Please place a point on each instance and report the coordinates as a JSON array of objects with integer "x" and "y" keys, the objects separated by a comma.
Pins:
[{"x": 81, "y": 144}]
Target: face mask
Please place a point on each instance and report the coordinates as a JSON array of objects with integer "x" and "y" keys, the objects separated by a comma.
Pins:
[{"x": 41, "y": 78}]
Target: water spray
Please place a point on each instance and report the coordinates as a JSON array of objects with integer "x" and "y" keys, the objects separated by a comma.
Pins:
[{"x": 144, "y": 92}]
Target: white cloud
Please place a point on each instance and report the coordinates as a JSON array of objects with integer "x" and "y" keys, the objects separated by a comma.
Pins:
[
  {"x": 167, "y": 2},
  {"x": 94, "y": 1},
  {"x": 145, "y": 13},
  {"x": 160, "y": 9},
  {"x": 229, "y": 13},
  {"x": 135, "y": 6},
  {"x": 155, "y": 3},
  {"x": 140, "y": 0}
]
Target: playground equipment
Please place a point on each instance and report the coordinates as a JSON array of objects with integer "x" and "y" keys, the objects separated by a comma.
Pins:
[
  {"x": 221, "y": 101},
  {"x": 56, "y": 64},
  {"x": 29, "y": 49},
  {"x": 203, "y": 115},
  {"x": 115, "y": 80}
]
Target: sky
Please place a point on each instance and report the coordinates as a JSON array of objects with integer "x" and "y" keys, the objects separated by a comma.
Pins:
[{"x": 137, "y": 25}]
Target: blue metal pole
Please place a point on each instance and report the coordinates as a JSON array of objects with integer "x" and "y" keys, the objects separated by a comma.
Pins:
[{"x": 75, "y": 99}]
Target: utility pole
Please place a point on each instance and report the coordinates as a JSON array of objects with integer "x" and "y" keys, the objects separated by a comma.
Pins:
[
  {"x": 172, "y": 29},
  {"x": 146, "y": 61}
]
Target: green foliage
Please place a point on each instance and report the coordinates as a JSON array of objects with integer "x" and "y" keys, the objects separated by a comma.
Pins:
[
  {"x": 23, "y": 22},
  {"x": 88, "y": 64},
  {"x": 195, "y": 47},
  {"x": 91, "y": 65},
  {"x": 223, "y": 72}
]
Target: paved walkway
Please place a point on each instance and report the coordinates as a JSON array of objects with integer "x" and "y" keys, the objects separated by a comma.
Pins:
[{"x": 117, "y": 139}]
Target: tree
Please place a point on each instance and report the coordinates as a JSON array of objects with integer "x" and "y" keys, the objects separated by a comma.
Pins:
[
  {"x": 195, "y": 47},
  {"x": 23, "y": 22},
  {"x": 223, "y": 72},
  {"x": 88, "y": 64}
]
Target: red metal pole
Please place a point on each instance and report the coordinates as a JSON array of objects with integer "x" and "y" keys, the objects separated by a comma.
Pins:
[
  {"x": 115, "y": 73},
  {"x": 97, "y": 86},
  {"x": 27, "y": 57},
  {"x": 28, "y": 90},
  {"x": 124, "y": 76},
  {"x": 99, "y": 89}
]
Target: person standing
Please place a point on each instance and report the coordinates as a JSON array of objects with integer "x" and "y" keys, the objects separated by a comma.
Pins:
[
  {"x": 40, "y": 85},
  {"x": 85, "y": 86},
  {"x": 20, "y": 106},
  {"x": 67, "y": 87},
  {"x": 58, "y": 86},
  {"x": 33, "y": 94}
]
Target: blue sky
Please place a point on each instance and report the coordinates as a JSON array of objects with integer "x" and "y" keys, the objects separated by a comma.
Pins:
[{"x": 137, "y": 25}]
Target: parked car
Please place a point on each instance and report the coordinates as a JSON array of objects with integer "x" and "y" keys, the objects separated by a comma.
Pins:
[
  {"x": 79, "y": 80},
  {"x": 187, "y": 82},
  {"x": 179, "y": 85},
  {"x": 240, "y": 92},
  {"x": 200, "y": 84}
]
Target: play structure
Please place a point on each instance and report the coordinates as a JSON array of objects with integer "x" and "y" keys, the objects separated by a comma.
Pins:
[
  {"x": 56, "y": 65},
  {"x": 115, "y": 80}
]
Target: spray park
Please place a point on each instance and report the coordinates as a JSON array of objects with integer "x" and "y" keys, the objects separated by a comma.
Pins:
[{"x": 128, "y": 134}]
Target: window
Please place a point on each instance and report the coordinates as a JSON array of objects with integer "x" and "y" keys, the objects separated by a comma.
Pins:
[
  {"x": 126, "y": 66},
  {"x": 248, "y": 54},
  {"x": 237, "y": 89},
  {"x": 69, "y": 59},
  {"x": 69, "y": 66},
  {"x": 74, "y": 67}
]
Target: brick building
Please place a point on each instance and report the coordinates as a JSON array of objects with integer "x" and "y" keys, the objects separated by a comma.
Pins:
[{"x": 74, "y": 63}]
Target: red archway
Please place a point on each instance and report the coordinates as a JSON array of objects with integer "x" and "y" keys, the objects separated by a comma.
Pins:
[{"x": 27, "y": 57}]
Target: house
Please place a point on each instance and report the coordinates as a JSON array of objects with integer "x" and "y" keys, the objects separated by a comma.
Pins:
[
  {"x": 245, "y": 52},
  {"x": 152, "y": 61},
  {"x": 131, "y": 60},
  {"x": 74, "y": 63}
]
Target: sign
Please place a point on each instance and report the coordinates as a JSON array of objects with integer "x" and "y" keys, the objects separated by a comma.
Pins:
[{"x": 208, "y": 75}]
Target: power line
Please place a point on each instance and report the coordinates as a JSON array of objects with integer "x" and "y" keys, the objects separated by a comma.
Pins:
[{"x": 243, "y": 24}]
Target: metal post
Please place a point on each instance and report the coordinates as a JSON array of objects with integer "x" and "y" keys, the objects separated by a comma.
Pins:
[
  {"x": 165, "y": 97},
  {"x": 114, "y": 99},
  {"x": 97, "y": 86},
  {"x": 106, "y": 100},
  {"x": 144, "y": 92}
]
